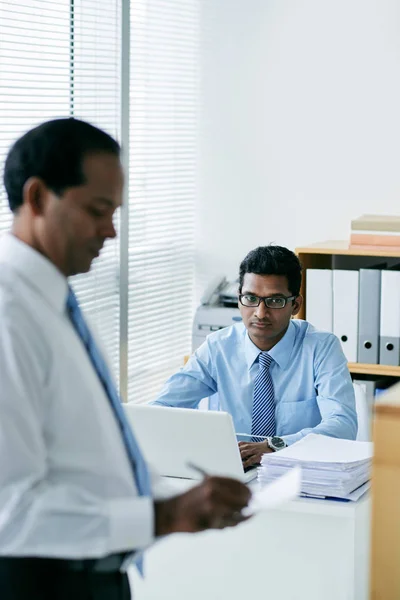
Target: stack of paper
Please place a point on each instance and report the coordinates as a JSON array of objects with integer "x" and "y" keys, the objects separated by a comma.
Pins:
[
  {"x": 330, "y": 467},
  {"x": 375, "y": 230}
]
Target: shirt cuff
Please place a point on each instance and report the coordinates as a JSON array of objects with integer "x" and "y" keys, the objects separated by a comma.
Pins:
[
  {"x": 131, "y": 523},
  {"x": 291, "y": 439}
]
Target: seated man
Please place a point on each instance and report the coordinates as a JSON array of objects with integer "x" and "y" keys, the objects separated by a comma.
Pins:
[{"x": 278, "y": 377}]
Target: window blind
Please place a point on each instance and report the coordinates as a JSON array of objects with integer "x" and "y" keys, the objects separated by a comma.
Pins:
[
  {"x": 34, "y": 71},
  {"x": 62, "y": 58},
  {"x": 163, "y": 154},
  {"x": 95, "y": 97}
]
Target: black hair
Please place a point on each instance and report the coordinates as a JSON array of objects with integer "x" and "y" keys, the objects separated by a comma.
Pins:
[
  {"x": 53, "y": 151},
  {"x": 273, "y": 260}
]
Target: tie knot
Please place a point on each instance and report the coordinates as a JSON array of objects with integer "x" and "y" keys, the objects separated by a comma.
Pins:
[{"x": 264, "y": 359}]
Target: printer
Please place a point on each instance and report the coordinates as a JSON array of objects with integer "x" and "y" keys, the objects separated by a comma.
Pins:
[{"x": 218, "y": 309}]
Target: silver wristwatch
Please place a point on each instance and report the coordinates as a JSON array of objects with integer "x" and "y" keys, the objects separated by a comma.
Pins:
[{"x": 276, "y": 443}]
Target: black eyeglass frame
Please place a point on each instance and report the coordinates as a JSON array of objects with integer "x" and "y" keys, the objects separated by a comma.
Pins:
[{"x": 265, "y": 298}]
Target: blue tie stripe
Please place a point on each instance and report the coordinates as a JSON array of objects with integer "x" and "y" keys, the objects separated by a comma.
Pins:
[
  {"x": 139, "y": 468},
  {"x": 263, "y": 415}
]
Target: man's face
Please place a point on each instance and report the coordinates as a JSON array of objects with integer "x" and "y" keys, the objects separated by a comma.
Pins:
[
  {"x": 73, "y": 228},
  {"x": 266, "y": 326}
]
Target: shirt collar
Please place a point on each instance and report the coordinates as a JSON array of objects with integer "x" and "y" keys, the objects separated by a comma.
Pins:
[
  {"x": 280, "y": 352},
  {"x": 36, "y": 269}
]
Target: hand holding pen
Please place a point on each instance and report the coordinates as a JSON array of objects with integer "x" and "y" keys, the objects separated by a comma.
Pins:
[{"x": 215, "y": 503}]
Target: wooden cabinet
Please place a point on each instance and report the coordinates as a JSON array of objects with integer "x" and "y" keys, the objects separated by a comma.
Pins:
[
  {"x": 337, "y": 254},
  {"x": 385, "y": 544}
]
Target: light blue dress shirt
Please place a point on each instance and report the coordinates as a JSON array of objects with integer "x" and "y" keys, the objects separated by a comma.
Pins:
[{"x": 312, "y": 384}]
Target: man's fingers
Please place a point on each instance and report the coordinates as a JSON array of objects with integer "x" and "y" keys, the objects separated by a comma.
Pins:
[
  {"x": 244, "y": 452},
  {"x": 216, "y": 502},
  {"x": 228, "y": 492},
  {"x": 250, "y": 451},
  {"x": 233, "y": 486},
  {"x": 235, "y": 519},
  {"x": 252, "y": 460},
  {"x": 229, "y": 520},
  {"x": 222, "y": 498}
]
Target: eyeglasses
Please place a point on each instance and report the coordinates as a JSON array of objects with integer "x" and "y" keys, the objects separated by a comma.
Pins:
[{"x": 251, "y": 301}]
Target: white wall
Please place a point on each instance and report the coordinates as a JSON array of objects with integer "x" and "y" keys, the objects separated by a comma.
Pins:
[{"x": 300, "y": 123}]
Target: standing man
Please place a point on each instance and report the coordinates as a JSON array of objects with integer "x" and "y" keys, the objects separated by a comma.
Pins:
[
  {"x": 76, "y": 497},
  {"x": 279, "y": 378}
]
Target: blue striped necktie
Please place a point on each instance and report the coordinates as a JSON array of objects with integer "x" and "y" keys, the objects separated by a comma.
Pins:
[
  {"x": 139, "y": 468},
  {"x": 263, "y": 416}
]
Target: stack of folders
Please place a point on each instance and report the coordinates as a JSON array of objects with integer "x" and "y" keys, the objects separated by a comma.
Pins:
[
  {"x": 330, "y": 467},
  {"x": 361, "y": 307},
  {"x": 375, "y": 230}
]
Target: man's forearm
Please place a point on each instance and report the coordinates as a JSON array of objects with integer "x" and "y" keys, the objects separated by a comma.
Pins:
[{"x": 339, "y": 427}]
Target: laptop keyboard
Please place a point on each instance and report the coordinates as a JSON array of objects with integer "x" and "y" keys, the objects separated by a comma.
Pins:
[{"x": 251, "y": 468}]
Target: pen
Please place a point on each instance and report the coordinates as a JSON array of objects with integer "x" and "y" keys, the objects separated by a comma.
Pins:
[{"x": 198, "y": 469}]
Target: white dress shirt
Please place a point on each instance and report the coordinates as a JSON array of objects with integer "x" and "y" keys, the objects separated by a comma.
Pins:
[{"x": 66, "y": 485}]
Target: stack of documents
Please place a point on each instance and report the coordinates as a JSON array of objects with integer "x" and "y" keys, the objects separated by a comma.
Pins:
[
  {"x": 375, "y": 230},
  {"x": 330, "y": 467}
]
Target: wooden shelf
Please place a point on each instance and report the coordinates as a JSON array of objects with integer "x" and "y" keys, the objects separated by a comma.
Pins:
[
  {"x": 321, "y": 256},
  {"x": 380, "y": 370},
  {"x": 342, "y": 247}
]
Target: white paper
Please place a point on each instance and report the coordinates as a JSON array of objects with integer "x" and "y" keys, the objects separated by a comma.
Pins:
[
  {"x": 356, "y": 494},
  {"x": 315, "y": 449},
  {"x": 331, "y": 467},
  {"x": 273, "y": 494},
  {"x": 353, "y": 496}
]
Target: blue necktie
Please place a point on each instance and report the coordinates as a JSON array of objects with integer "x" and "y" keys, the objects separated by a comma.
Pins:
[
  {"x": 139, "y": 468},
  {"x": 263, "y": 417}
]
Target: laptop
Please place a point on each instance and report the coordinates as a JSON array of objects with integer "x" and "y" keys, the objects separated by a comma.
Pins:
[{"x": 171, "y": 438}]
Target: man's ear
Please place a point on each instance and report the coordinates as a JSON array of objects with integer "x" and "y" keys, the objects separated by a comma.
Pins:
[
  {"x": 35, "y": 195},
  {"x": 297, "y": 303}
]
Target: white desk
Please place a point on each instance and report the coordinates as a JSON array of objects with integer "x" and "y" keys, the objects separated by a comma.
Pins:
[{"x": 308, "y": 549}]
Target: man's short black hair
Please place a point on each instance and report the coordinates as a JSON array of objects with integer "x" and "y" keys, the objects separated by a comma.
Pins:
[
  {"x": 53, "y": 151},
  {"x": 273, "y": 260}
]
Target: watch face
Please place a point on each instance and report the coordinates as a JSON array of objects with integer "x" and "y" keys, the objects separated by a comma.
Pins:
[{"x": 278, "y": 442}]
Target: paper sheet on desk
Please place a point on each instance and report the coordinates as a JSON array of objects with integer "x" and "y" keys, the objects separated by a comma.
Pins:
[
  {"x": 273, "y": 494},
  {"x": 353, "y": 496}
]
